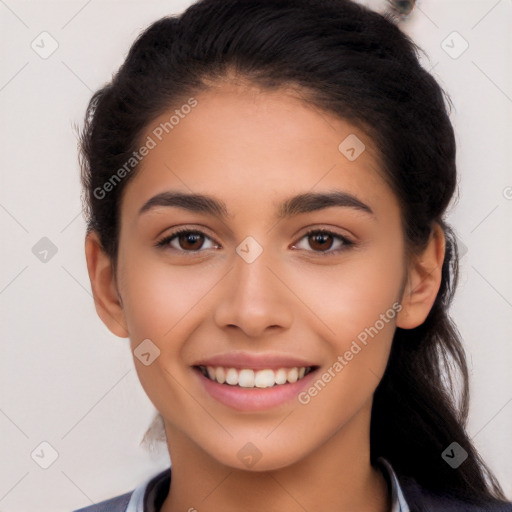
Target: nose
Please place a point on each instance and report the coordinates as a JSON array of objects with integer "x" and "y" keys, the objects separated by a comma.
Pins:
[{"x": 255, "y": 298}]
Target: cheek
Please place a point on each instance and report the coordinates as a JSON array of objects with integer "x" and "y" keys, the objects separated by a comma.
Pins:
[
  {"x": 357, "y": 306},
  {"x": 160, "y": 298},
  {"x": 161, "y": 301},
  {"x": 352, "y": 295}
]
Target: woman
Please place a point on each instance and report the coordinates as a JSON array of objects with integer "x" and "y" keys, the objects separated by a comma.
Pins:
[{"x": 295, "y": 350}]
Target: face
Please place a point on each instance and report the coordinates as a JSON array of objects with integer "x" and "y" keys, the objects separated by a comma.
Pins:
[{"x": 252, "y": 285}]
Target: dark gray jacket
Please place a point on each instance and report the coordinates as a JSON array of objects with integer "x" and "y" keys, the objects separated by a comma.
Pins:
[{"x": 418, "y": 498}]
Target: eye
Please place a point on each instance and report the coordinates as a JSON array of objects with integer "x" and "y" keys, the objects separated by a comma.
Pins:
[
  {"x": 192, "y": 240},
  {"x": 185, "y": 240},
  {"x": 321, "y": 241}
]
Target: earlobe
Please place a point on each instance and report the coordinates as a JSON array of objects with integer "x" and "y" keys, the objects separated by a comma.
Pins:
[
  {"x": 104, "y": 288},
  {"x": 423, "y": 282}
]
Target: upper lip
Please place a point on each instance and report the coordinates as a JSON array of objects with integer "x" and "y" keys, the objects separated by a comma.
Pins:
[{"x": 254, "y": 361}]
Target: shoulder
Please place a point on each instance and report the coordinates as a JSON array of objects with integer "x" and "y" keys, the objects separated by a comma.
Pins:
[
  {"x": 117, "y": 504},
  {"x": 148, "y": 495},
  {"x": 421, "y": 499}
]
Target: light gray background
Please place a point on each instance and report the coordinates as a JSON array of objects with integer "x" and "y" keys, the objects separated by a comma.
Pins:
[{"x": 65, "y": 379}]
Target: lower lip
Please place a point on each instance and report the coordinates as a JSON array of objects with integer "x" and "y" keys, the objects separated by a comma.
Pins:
[{"x": 254, "y": 399}]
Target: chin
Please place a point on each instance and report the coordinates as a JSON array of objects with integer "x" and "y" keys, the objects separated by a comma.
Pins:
[{"x": 253, "y": 460}]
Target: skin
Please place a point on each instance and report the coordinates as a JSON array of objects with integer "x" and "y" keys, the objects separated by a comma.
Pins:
[{"x": 253, "y": 149}]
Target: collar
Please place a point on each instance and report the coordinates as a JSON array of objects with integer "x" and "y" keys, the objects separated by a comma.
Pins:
[
  {"x": 398, "y": 502},
  {"x": 150, "y": 494}
]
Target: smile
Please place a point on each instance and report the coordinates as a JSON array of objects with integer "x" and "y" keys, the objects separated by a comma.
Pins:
[{"x": 248, "y": 378}]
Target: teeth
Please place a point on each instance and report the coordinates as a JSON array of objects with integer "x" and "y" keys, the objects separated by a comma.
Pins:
[
  {"x": 232, "y": 377},
  {"x": 293, "y": 375},
  {"x": 281, "y": 375},
  {"x": 220, "y": 375},
  {"x": 247, "y": 378},
  {"x": 264, "y": 378}
]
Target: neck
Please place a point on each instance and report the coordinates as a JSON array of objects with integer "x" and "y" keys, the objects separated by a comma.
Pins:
[{"x": 336, "y": 476}]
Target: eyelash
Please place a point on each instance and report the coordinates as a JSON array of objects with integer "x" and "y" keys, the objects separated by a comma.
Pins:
[{"x": 346, "y": 242}]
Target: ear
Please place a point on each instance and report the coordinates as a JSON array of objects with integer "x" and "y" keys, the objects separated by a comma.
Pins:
[
  {"x": 104, "y": 287},
  {"x": 423, "y": 282}
]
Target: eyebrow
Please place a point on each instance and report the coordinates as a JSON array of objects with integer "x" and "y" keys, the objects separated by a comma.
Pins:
[{"x": 302, "y": 203}]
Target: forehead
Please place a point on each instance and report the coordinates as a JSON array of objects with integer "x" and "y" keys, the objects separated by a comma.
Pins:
[{"x": 248, "y": 146}]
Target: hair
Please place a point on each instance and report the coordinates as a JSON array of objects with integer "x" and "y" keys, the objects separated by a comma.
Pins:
[{"x": 358, "y": 65}]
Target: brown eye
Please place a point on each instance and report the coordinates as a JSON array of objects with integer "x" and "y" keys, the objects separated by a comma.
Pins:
[
  {"x": 184, "y": 240},
  {"x": 320, "y": 241},
  {"x": 190, "y": 241}
]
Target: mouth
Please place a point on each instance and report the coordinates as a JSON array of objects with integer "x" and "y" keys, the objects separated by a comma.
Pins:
[{"x": 249, "y": 378}]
